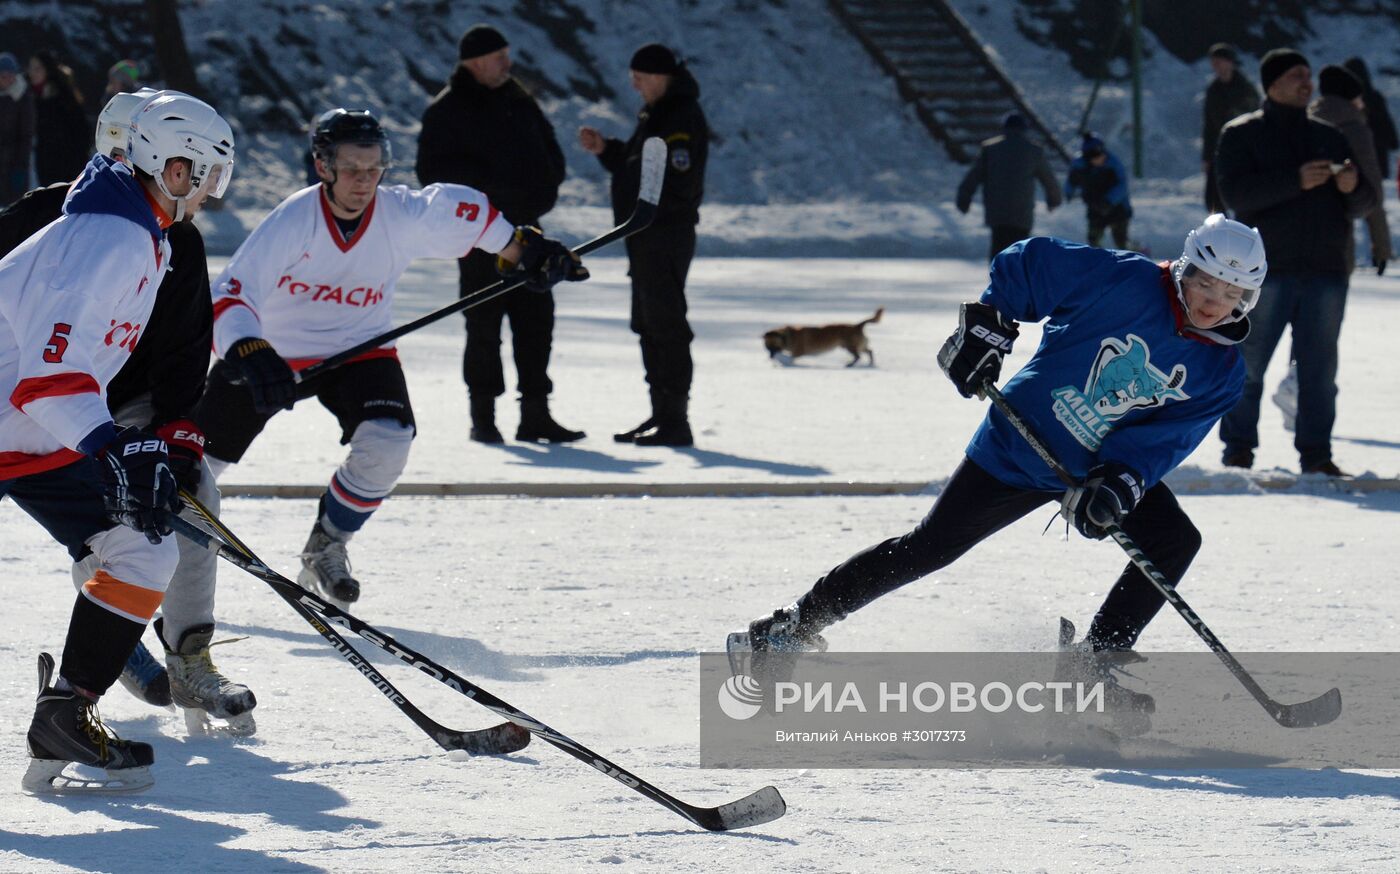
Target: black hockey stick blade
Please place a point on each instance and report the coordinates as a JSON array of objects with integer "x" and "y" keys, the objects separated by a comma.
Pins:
[
  {"x": 496, "y": 740},
  {"x": 643, "y": 214},
  {"x": 759, "y": 807},
  {"x": 1309, "y": 714}
]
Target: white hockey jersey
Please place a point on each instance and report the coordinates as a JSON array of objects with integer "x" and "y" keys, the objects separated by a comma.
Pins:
[
  {"x": 301, "y": 285},
  {"x": 73, "y": 300}
]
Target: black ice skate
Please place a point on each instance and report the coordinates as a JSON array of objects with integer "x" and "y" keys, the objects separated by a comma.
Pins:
[
  {"x": 1129, "y": 712},
  {"x": 72, "y": 751},
  {"x": 201, "y": 690},
  {"x": 144, "y": 677},
  {"x": 326, "y": 568}
]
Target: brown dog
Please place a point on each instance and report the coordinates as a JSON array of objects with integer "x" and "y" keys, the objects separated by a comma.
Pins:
[{"x": 794, "y": 341}]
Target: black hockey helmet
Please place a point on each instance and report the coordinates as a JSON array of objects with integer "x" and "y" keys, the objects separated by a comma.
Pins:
[{"x": 339, "y": 127}]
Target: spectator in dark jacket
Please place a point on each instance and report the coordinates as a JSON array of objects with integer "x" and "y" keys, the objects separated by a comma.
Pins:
[
  {"x": 16, "y": 129},
  {"x": 1006, "y": 169},
  {"x": 1377, "y": 114},
  {"x": 1100, "y": 178},
  {"x": 1384, "y": 140},
  {"x": 61, "y": 129},
  {"x": 659, "y": 257},
  {"x": 485, "y": 130},
  {"x": 1294, "y": 179},
  {"x": 1229, "y": 94},
  {"x": 1340, "y": 106}
]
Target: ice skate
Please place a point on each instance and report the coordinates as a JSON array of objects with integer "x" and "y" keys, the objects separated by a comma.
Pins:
[
  {"x": 71, "y": 751},
  {"x": 1285, "y": 397},
  {"x": 202, "y": 691},
  {"x": 144, "y": 677},
  {"x": 326, "y": 569},
  {"x": 768, "y": 650},
  {"x": 1129, "y": 712}
]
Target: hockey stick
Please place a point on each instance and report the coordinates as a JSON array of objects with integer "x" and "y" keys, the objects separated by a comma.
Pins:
[
  {"x": 764, "y": 805},
  {"x": 643, "y": 214},
  {"x": 1305, "y": 714},
  {"x": 496, "y": 740}
]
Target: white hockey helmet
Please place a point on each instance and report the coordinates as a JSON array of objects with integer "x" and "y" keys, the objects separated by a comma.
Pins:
[
  {"x": 1228, "y": 250},
  {"x": 114, "y": 122},
  {"x": 172, "y": 124}
]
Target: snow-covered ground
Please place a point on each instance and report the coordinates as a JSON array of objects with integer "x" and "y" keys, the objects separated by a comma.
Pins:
[{"x": 588, "y": 614}]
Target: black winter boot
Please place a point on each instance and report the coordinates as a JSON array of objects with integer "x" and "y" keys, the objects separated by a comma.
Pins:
[
  {"x": 484, "y": 420},
  {"x": 672, "y": 422},
  {"x": 537, "y": 425}
]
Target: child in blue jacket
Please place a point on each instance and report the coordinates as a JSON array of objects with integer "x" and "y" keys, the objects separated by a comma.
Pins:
[{"x": 1101, "y": 180}]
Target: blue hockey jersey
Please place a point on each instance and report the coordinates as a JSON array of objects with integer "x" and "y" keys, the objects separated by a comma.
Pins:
[{"x": 1120, "y": 374}]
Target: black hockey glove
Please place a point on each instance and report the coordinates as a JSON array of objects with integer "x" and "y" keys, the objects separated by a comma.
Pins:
[
  {"x": 185, "y": 444},
  {"x": 267, "y": 376},
  {"x": 543, "y": 262},
  {"x": 137, "y": 485},
  {"x": 974, "y": 353},
  {"x": 1108, "y": 493}
]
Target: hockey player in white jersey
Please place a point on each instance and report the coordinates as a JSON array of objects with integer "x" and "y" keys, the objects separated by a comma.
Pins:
[
  {"x": 74, "y": 298},
  {"x": 317, "y": 277}
]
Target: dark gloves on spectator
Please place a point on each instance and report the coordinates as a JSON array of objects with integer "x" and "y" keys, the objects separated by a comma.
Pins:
[
  {"x": 268, "y": 377},
  {"x": 185, "y": 444},
  {"x": 1108, "y": 493},
  {"x": 137, "y": 485},
  {"x": 973, "y": 354},
  {"x": 543, "y": 262}
]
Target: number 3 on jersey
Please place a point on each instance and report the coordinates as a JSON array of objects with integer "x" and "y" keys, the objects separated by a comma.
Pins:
[{"x": 58, "y": 343}]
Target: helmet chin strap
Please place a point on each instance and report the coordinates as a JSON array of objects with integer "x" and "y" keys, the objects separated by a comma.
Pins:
[{"x": 180, "y": 209}]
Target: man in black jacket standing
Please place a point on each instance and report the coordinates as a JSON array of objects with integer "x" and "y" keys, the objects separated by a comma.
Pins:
[
  {"x": 485, "y": 130},
  {"x": 1293, "y": 178},
  {"x": 659, "y": 257},
  {"x": 1229, "y": 94}
]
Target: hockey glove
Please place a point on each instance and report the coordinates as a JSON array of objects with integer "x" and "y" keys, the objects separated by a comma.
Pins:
[
  {"x": 137, "y": 485},
  {"x": 185, "y": 444},
  {"x": 974, "y": 353},
  {"x": 543, "y": 262},
  {"x": 267, "y": 376},
  {"x": 1108, "y": 493}
]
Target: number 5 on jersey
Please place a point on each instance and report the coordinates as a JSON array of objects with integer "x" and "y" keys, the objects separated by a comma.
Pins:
[{"x": 58, "y": 343}]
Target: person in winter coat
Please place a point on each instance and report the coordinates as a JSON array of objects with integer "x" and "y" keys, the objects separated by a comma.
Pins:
[
  {"x": 1137, "y": 362},
  {"x": 1229, "y": 94},
  {"x": 1384, "y": 140},
  {"x": 1340, "y": 105},
  {"x": 60, "y": 125},
  {"x": 659, "y": 257},
  {"x": 1006, "y": 169},
  {"x": 1294, "y": 179},
  {"x": 1100, "y": 178},
  {"x": 486, "y": 131},
  {"x": 16, "y": 130}
]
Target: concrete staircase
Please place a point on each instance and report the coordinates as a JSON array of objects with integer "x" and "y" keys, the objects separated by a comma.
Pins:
[{"x": 959, "y": 92}]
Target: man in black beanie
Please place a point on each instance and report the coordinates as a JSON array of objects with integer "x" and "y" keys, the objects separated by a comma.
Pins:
[
  {"x": 1294, "y": 179},
  {"x": 485, "y": 130},
  {"x": 659, "y": 257},
  {"x": 1228, "y": 95}
]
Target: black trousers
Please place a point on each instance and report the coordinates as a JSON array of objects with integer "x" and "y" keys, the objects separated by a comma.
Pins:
[
  {"x": 531, "y": 328},
  {"x": 1005, "y": 235},
  {"x": 976, "y": 505},
  {"x": 1117, "y": 227},
  {"x": 659, "y": 260}
]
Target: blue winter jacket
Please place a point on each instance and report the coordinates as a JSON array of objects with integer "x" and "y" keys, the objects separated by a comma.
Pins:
[
  {"x": 1104, "y": 188},
  {"x": 1119, "y": 375}
]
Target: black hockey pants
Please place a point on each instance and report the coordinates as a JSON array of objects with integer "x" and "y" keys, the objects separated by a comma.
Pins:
[{"x": 973, "y": 506}]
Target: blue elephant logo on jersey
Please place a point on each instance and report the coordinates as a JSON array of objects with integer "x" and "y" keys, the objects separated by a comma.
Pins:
[{"x": 1121, "y": 380}]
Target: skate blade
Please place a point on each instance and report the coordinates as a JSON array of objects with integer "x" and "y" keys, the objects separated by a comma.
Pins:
[
  {"x": 60, "y": 777},
  {"x": 199, "y": 723},
  {"x": 308, "y": 581}
]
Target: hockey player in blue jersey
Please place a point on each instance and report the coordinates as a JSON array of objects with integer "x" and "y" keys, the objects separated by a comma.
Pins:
[{"x": 1136, "y": 365}]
